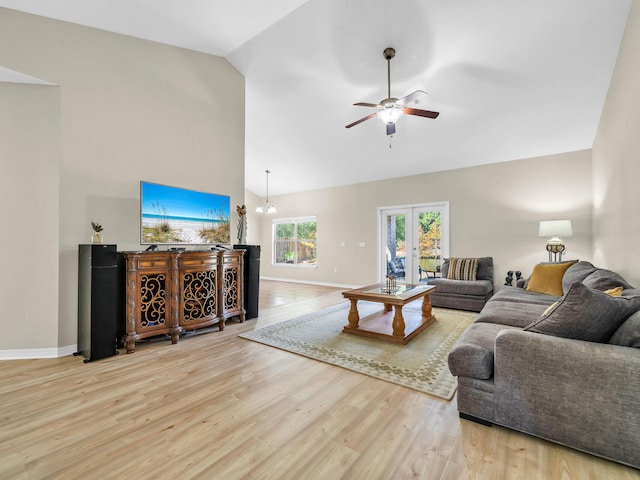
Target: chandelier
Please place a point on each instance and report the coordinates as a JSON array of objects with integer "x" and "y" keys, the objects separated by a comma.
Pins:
[{"x": 266, "y": 207}]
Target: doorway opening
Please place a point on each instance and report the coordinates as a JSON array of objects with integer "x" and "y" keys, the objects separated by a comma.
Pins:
[{"x": 413, "y": 239}]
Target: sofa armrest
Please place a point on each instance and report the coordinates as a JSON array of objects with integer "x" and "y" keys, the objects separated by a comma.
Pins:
[{"x": 578, "y": 393}]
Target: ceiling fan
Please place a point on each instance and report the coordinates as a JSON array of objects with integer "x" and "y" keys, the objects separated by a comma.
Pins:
[{"x": 391, "y": 109}]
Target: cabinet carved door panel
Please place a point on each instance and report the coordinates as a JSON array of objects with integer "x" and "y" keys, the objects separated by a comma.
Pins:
[
  {"x": 199, "y": 298},
  {"x": 153, "y": 301},
  {"x": 149, "y": 298}
]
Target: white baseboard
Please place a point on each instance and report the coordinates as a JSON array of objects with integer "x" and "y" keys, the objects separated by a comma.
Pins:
[
  {"x": 309, "y": 282},
  {"x": 32, "y": 353}
]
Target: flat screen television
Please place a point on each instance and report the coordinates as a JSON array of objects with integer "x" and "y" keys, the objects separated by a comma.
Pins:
[{"x": 172, "y": 215}]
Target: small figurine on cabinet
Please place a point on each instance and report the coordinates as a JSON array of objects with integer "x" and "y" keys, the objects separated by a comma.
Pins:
[{"x": 242, "y": 223}]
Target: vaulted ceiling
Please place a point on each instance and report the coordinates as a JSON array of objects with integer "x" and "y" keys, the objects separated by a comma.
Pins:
[{"x": 511, "y": 79}]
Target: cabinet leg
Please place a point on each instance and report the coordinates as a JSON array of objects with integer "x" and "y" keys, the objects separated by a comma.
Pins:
[{"x": 175, "y": 335}]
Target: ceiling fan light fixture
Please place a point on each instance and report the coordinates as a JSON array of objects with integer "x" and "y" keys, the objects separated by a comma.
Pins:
[{"x": 389, "y": 113}]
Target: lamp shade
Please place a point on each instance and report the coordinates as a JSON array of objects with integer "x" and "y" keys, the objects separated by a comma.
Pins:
[{"x": 555, "y": 228}]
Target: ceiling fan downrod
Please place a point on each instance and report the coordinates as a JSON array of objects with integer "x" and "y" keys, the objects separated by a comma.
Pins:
[{"x": 389, "y": 53}]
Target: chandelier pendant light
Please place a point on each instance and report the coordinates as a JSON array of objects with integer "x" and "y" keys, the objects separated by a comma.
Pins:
[{"x": 266, "y": 207}]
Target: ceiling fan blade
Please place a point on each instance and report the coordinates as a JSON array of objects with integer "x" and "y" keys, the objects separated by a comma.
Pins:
[
  {"x": 420, "y": 113},
  {"x": 361, "y": 120},
  {"x": 412, "y": 97},
  {"x": 362, "y": 104},
  {"x": 391, "y": 128}
]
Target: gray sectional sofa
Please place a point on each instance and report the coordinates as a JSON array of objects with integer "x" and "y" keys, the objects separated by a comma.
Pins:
[
  {"x": 463, "y": 294},
  {"x": 563, "y": 368}
]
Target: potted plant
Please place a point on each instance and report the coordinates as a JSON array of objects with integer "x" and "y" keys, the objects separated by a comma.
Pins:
[{"x": 97, "y": 232}]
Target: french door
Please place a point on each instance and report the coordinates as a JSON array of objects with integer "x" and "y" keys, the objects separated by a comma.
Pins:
[{"x": 413, "y": 241}]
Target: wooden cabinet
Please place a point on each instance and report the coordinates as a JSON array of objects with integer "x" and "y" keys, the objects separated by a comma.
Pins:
[{"x": 169, "y": 293}]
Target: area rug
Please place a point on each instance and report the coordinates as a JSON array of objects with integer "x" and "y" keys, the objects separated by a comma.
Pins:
[{"x": 420, "y": 365}]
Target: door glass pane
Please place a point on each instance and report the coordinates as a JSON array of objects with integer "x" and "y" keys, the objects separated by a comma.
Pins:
[
  {"x": 429, "y": 244},
  {"x": 395, "y": 225}
]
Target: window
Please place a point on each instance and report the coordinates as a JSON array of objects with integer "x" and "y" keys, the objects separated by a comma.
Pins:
[{"x": 294, "y": 241}]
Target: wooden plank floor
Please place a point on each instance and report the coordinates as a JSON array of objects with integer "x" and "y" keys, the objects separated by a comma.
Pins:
[{"x": 216, "y": 406}]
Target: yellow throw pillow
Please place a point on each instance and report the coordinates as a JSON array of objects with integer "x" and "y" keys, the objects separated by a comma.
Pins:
[
  {"x": 547, "y": 278},
  {"x": 614, "y": 292}
]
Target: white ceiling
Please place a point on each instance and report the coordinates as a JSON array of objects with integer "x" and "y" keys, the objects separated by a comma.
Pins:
[{"x": 511, "y": 79}]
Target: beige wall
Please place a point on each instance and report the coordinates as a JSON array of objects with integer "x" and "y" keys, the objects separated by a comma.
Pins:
[
  {"x": 29, "y": 195},
  {"x": 494, "y": 211},
  {"x": 129, "y": 110},
  {"x": 616, "y": 163}
]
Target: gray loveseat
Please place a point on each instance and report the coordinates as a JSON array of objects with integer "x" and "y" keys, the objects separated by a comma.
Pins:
[
  {"x": 563, "y": 368},
  {"x": 463, "y": 294}
]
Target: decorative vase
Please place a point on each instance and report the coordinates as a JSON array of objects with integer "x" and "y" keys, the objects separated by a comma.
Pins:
[{"x": 96, "y": 237}]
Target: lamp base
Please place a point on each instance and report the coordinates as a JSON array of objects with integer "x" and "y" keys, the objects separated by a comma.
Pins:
[{"x": 555, "y": 251}]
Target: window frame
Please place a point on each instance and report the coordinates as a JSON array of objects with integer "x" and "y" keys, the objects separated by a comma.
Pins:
[{"x": 294, "y": 220}]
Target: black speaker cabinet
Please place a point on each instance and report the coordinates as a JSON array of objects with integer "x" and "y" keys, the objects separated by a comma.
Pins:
[
  {"x": 99, "y": 301},
  {"x": 251, "y": 279}
]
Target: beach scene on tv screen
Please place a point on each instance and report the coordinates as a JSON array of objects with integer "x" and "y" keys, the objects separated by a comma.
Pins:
[{"x": 173, "y": 215}]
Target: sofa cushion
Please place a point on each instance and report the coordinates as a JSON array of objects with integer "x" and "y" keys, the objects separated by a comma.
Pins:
[
  {"x": 520, "y": 295},
  {"x": 462, "y": 269},
  {"x": 628, "y": 335},
  {"x": 462, "y": 287},
  {"x": 547, "y": 278},
  {"x": 576, "y": 273},
  {"x": 512, "y": 313},
  {"x": 585, "y": 314},
  {"x": 602, "y": 279},
  {"x": 472, "y": 355}
]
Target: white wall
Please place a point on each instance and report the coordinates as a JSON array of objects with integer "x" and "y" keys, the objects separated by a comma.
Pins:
[
  {"x": 129, "y": 110},
  {"x": 616, "y": 163},
  {"x": 494, "y": 211}
]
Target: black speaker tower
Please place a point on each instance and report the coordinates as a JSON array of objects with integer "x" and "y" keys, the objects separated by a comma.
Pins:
[
  {"x": 251, "y": 279},
  {"x": 99, "y": 301}
]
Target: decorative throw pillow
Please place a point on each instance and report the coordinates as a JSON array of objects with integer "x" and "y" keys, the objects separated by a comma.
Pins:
[
  {"x": 577, "y": 273},
  {"x": 602, "y": 279},
  {"x": 585, "y": 314},
  {"x": 628, "y": 335},
  {"x": 547, "y": 278},
  {"x": 615, "y": 292},
  {"x": 462, "y": 269}
]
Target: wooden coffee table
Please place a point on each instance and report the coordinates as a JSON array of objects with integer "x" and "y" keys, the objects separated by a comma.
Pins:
[{"x": 398, "y": 327}]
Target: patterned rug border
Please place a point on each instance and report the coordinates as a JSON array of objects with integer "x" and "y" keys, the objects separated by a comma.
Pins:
[{"x": 432, "y": 377}]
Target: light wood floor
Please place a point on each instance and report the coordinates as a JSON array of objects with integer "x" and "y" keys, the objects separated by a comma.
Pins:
[{"x": 216, "y": 406}]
